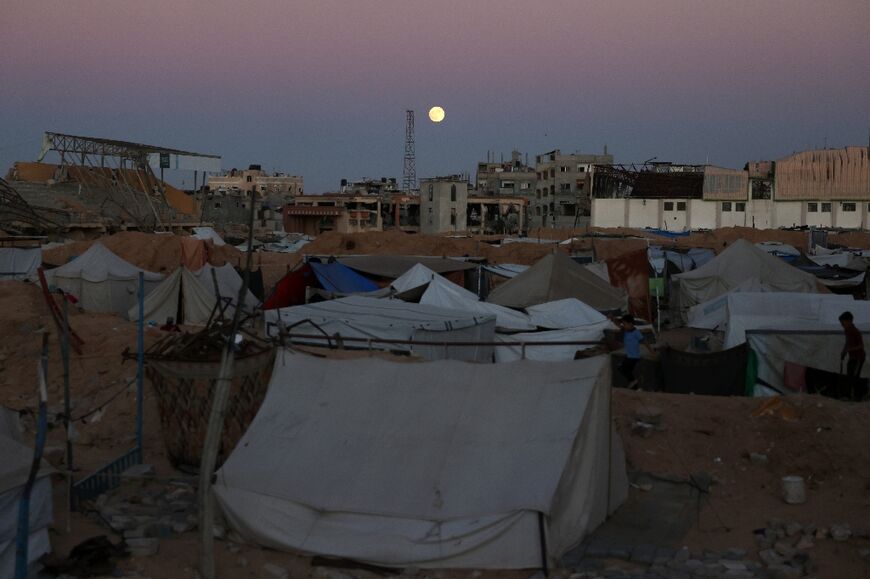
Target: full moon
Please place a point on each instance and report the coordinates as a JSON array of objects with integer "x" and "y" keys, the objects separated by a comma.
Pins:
[{"x": 436, "y": 114}]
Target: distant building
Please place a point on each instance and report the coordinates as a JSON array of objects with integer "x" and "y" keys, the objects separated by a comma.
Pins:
[
  {"x": 384, "y": 186},
  {"x": 255, "y": 179},
  {"x": 820, "y": 188},
  {"x": 563, "y": 185},
  {"x": 443, "y": 204},
  {"x": 496, "y": 215},
  {"x": 509, "y": 178},
  {"x": 344, "y": 213}
]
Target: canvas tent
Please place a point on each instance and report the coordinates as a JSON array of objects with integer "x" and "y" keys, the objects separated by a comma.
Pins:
[
  {"x": 335, "y": 277},
  {"x": 102, "y": 281},
  {"x": 190, "y": 296},
  {"x": 19, "y": 263},
  {"x": 393, "y": 266},
  {"x": 554, "y": 277},
  {"x": 444, "y": 293},
  {"x": 371, "y": 318},
  {"x": 740, "y": 262},
  {"x": 14, "y": 470},
  {"x": 445, "y": 464}
]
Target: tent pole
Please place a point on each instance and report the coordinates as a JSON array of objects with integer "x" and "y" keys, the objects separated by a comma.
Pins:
[
  {"x": 220, "y": 396},
  {"x": 140, "y": 364},
  {"x": 542, "y": 534},
  {"x": 64, "y": 352},
  {"x": 23, "y": 534}
]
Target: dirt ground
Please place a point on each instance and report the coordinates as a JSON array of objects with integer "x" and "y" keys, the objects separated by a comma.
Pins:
[{"x": 826, "y": 441}]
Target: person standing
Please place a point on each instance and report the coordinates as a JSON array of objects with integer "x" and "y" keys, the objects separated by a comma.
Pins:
[
  {"x": 632, "y": 338},
  {"x": 854, "y": 348}
]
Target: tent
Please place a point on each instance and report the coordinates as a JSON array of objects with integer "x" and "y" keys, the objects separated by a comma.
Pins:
[
  {"x": 19, "y": 264},
  {"x": 419, "y": 275},
  {"x": 567, "y": 313},
  {"x": 190, "y": 296},
  {"x": 102, "y": 281},
  {"x": 14, "y": 470},
  {"x": 336, "y": 277},
  {"x": 393, "y": 266},
  {"x": 739, "y": 262},
  {"x": 371, "y": 318},
  {"x": 554, "y": 277},
  {"x": 444, "y": 293},
  {"x": 444, "y": 464},
  {"x": 290, "y": 289}
]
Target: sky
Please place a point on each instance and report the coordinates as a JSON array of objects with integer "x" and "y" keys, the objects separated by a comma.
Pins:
[{"x": 320, "y": 87}]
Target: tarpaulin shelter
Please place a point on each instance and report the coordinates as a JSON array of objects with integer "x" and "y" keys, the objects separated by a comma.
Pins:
[
  {"x": 739, "y": 262},
  {"x": 567, "y": 313},
  {"x": 372, "y": 319},
  {"x": 393, "y": 266},
  {"x": 14, "y": 470},
  {"x": 189, "y": 297},
  {"x": 444, "y": 293},
  {"x": 630, "y": 271},
  {"x": 102, "y": 281},
  {"x": 194, "y": 253},
  {"x": 290, "y": 289},
  {"x": 419, "y": 275},
  {"x": 720, "y": 373},
  {"x": 554, "y": 277},
  {"x": 19, "y": 263},
  {"x": 334, "y": 276},
  {"x": 444, "y": 464}
]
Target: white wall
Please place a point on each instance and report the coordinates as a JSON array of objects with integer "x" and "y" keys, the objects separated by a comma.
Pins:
[
  {"x": 787, "y": 213},
  {"x": 759, "y": 213},
  {"x": 848, "y": 219},
  {"x": 702, "y": 214},
  {"x": 643, "y": 213},
  {"x": 609, "y": 212},
  {"x": 674, "y": 220}
]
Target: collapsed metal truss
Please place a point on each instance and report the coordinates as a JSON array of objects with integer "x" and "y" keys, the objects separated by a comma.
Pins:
[
  {"x": 16, "y": 214},
  {"x": 118, "y": 171}
]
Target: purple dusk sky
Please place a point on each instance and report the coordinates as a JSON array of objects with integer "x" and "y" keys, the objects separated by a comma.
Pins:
[{"x": 319, "y": 87}]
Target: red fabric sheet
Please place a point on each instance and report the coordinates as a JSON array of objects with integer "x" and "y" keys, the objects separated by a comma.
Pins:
[{"x": 630, "y": 272}]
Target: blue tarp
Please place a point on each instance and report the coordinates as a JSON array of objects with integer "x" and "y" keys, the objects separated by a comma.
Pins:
[
  {"x": 664, "y": 233},
  {"x": 335, "y": 277}
]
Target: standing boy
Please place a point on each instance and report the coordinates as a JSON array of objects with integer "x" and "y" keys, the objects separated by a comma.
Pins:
[
  {"x": 854, "y": 348},
  {"x": 632, "y": 338}
]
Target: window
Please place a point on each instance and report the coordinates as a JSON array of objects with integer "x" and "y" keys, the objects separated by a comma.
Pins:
[
  {"x": 681, "y": 205},
  {"x": 430, "y": 197},
  {"x": 217, "y": 204},
  {"x": 524, "y": 185},
  {"x": 740, "y": 207},
  {"x": 669, "y": 205},
  {"x": 453, "y": 216},
  {"x": 726, "y": 206},
  {"x": 565, "y": 187},
  {"x": 563, "y": 169},
  {"x": 812, "y": 207},
  {"x": 430, "y": 213},
  {"x": 453, "y": 192},
  {"x": 248, "y": 178},
  {"x": 538, "y": 193},
  {"x": 760, "y": 189},
  {"x": 826, "y": 207},
  {"x": 538, "y": 210},
  {"x": 552, "y": 189},
  {"x": 849, "y": 207},
  {"x": 545, "y": 209},
  {"x": 552, "y": 173},
  {"x": 581, "y": 168}
]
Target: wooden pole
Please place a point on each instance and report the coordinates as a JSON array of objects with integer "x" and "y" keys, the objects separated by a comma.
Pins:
[
  {"x": 216, "y": 424},
  {"x": 67, "y": 408}
]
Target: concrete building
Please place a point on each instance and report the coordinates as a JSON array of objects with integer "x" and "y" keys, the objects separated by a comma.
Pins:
[
  {"x": 344, "y": 213},
  {"x": 563, "y": 185},
  {"x": 443, "y": 204},
  {"x": 384, "y": 187},
  {"x": 509, "y": 178},
  {"x": 496, "y": 215},
  {"x": 828, "y": 188},
  {"x": 277, "y": 185}
]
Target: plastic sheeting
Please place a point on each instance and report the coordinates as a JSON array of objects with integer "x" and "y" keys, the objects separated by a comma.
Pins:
[
  {"x": 19, "y": 264},
  {"x": 371, "y": 318},
  {"x": 740, "y": 262},
  {"x": 393, "y": 266},
  {"x": 336, "y": 277},
  {"x": 711, "y": 373},
  {"x": 561, "y": 314},
  {"x": 102, "y": 281},
  {"x": 588, "y": 333},
  {"x": 446, "y": 464},
  {"x": 418, "y": 275},
  {"x": 444, "y": 293},
  {"x": 208, "y": 234},
  {"x": 556, "y": 276},
  {"x": 290, "y": 289}
]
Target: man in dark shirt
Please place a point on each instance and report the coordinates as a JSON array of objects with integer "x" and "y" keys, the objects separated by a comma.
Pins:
[{"x": 854, "y": 347}]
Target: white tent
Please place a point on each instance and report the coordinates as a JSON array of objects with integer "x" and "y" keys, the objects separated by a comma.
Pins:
[
  {"x": 418, "y": 275},
  {"x": 102, "y": 281},
  {"x": 778, "y": 249},
  {"x": 740, "y": 262},
  {"x": 388, "y": 319},
  {"x": 195, "y": 292},
  {"x": 14, "y": 470},
  {"x": 566, "y": 313},
  {"x": 444, "y": 293},
  {"x": 442, "y": 464},
  {"x": 19, "y": 263}
]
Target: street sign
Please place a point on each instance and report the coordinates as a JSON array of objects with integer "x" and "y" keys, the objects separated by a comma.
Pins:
[{"x": 164, "y": 160}]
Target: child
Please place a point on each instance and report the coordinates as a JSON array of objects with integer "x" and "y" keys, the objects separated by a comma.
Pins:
[{"x": 632, "y": 338}]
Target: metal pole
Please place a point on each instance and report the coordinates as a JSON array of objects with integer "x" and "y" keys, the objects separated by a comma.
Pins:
[
  {"x": 216, "y": 423},
  {"x": 23, "y": 535},
  {"x": 140, "y": 365},
  {"x": 67, "y": 410}
]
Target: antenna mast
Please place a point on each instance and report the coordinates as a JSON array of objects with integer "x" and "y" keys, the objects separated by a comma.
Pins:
[{"x": 409, "y": 172}]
